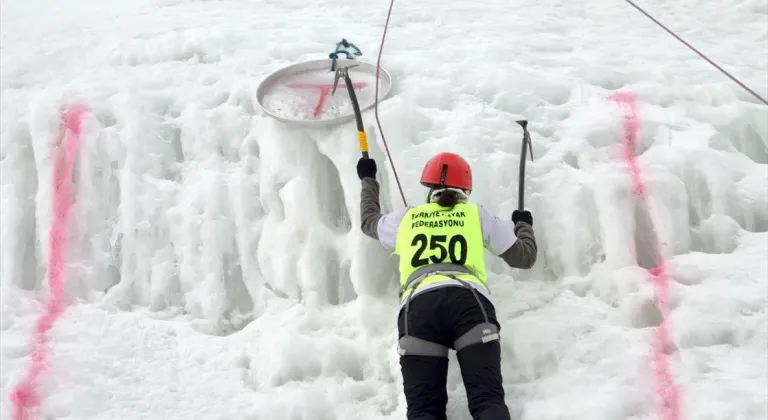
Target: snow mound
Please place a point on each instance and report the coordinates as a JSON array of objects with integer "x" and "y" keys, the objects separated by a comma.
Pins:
[{"x": 217, "y": 269}]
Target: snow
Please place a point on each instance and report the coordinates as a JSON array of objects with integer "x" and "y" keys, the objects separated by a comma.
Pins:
[{"x": 217, "y": 270}]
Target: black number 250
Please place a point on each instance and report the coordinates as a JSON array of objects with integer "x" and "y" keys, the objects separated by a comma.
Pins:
[{"x": 456, "y": 249}]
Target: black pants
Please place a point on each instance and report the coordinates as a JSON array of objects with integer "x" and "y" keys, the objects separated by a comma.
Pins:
[{"x": 441, "y": 316}]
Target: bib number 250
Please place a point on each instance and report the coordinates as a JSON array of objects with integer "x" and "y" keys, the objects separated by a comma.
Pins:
[{"x": 454, "y": 248}]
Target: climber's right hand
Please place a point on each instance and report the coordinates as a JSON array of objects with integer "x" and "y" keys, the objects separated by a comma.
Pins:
[
  {"x": 366, "y": 168},
  {"x": 522, "y": 216}
]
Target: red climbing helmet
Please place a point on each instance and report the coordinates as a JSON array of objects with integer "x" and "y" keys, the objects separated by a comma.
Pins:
[{"x": 447, "y": 170}]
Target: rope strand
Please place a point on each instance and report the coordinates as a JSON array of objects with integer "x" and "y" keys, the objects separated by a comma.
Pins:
[
  {"x": 376, "y": 104},
  {"x": 648, "y": 15},
  {"x": 737, "y": 81}
]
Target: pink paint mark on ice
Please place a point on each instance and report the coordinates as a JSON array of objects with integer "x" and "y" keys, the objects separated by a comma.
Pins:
[
  {"x": 668, "y": 391},
  {"x": 325, "y": 89},
  {"x": 26, "y": 394},
  {"x": 324, "y": 85}
]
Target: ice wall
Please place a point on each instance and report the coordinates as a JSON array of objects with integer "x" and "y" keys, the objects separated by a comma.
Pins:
[
  {"x": 189, "y": 196},
  {"x": 194, "y": 206},
  {"x": 202, "y": 206}
]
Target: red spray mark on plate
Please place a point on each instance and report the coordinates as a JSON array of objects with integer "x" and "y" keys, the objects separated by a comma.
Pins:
[
  {"x": 26, "y": 394},
  {"x": 668, "y": 391},
  {"x": 325, "y": 89}
]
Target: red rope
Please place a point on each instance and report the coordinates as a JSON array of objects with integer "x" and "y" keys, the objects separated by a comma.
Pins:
[
  {"x": 376, "y": 104},
  {"x": 737, "y": 81}
]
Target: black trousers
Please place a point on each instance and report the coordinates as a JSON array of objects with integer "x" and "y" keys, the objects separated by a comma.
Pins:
[{"x": 441, "y": 316}]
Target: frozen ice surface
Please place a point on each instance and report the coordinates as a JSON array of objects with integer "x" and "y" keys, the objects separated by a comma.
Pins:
[{"x": 217, "y": 270}]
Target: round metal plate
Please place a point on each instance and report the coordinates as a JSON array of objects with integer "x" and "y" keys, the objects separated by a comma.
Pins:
[{"x": 300, "y": 94}]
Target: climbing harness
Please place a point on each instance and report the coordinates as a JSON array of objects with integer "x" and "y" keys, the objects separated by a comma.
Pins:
[
  {"x": 334, "y": 56},
  {"x": 481, "y": 333}
]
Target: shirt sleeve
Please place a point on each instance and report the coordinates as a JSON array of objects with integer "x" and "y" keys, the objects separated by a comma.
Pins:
[
  {"x": 498, "y": 236},
  {"x": 387, "y": 228}
]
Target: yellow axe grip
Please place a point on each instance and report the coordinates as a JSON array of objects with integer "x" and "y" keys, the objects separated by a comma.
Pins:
[{"x": 363, "y": 139}]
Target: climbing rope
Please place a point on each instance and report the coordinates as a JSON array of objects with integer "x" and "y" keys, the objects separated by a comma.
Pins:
[
  {"x": 381, "y": 50},
  {"x": 661, "y": 25},
  {"x": 342, "y": 73},
  {"x": 376, "y": 104}
]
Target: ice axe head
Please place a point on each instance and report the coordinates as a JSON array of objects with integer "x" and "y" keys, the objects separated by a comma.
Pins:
[
  {"x": 526, "y": 136},
  {"x": 341, "y": 72}
]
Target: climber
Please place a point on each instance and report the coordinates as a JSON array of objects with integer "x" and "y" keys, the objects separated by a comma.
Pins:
[{"x": 444, "y": 300}]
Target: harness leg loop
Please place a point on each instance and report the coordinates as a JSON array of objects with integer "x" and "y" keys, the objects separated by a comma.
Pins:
[
  {"x": 481, "y": 333},
  {"x": 414, "y": 346}
]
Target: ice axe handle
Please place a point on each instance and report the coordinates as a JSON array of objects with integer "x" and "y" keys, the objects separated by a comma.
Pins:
[
  {"x": 526, "y": 142},
  {"x": 362, "y": 138}
]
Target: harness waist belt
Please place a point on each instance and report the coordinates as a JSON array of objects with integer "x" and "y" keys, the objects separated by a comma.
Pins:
[{"x": 439, "y": 268}]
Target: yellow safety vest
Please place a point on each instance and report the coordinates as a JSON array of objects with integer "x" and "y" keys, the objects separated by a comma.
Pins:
[{"x": 430, "y": 234}]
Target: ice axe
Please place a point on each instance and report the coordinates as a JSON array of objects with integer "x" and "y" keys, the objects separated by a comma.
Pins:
[
  {"x": 362, "y": 138},
  {"x": 526, "y": 142}
]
